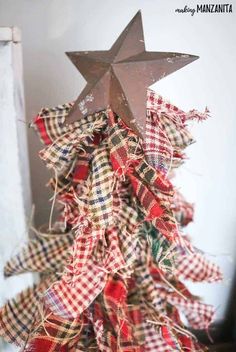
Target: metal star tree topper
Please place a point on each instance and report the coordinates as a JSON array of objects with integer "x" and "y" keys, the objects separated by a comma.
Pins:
[{"x": 118, "y": 78}]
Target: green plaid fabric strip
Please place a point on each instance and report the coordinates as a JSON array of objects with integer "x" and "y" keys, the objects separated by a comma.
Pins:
[
  {"x": 42, "y": 254},
  {"x": 157, "y": 181},
  {"x": 163, "y": 255}
]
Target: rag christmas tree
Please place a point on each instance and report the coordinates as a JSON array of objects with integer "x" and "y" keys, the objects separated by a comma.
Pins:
[{"x": 114, "y": 263}]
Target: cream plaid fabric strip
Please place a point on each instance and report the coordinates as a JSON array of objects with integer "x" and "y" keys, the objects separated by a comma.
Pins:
[
  {"x": 43, "y": 254},
  {"x": 64, "y": 149},
  {"x": 128, "y": 227},
  {"x": 100, "y": 197},
  {"x": 49, "y": 123},
  {"x": 18, "y": 315},
  {"x": 178, "y": 136}
]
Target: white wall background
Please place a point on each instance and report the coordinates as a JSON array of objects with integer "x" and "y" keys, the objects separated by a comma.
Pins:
[
  {"x": 15, "y": 200},
  {"x": 51, "y": 27}
]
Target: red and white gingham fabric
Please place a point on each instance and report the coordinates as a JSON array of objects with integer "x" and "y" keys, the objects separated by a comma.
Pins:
[
  {"x": 197, "y": 268},
  {"x": 156, "y": 103},
  {"x": 166, "y": 132},
  {"x": 154, "y": 341},
  {"x": 182, "y": 209},
  {"x": 84, "y": 278},
  {"x": 99, "y": 333},
  {"x": 198, "y": 314}
]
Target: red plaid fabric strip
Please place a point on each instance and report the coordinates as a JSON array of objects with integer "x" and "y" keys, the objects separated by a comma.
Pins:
[
  {"x": 70, "y": 213},
  {"x": 115, "y": 303},
  {"x": 134, "y": 312},
  {"x": 197, "y": 268},
  {"x": 61, "y": 297},
  {"x": 155, "y": 179},
  {"x": 54, "y": 333},
  {"x": 157, "y": 148},
  {"x": 84, "y": 279},
  {"x": 69, "y": 300},
  {"x": 85, "y": 342},
  {"x": 147, "y": 199},
  {"x": 115, "y": 321},
  {"x": 71, "y": 176},
  {"x": 170, "y": 338}
]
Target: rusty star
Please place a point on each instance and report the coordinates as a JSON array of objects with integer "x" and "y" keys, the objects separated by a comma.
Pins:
[{"x": 118, "y": 78}]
